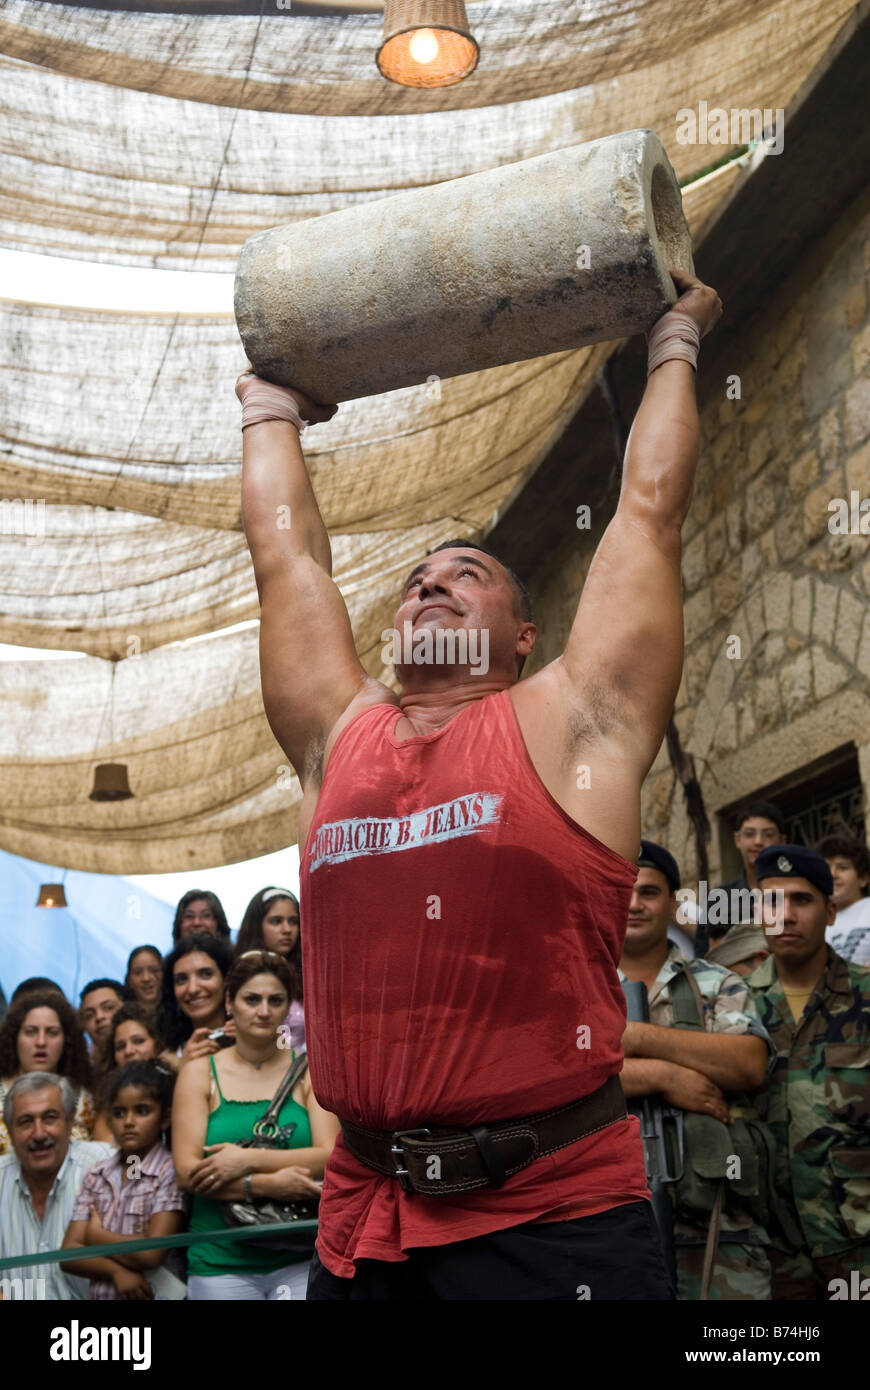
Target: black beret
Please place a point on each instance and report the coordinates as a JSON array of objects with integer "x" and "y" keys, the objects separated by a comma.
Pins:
[
  {"x": 794, "y": 861},
  {"x": 653, "y": 856}
]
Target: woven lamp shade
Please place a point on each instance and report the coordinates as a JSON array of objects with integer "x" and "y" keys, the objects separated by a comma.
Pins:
[
  {"x": 51, "y": 895},
  {"x": 412, "y": 29},
  {"x": 111, "y": 783}
]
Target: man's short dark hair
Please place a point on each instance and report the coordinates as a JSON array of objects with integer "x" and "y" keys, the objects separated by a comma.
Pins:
[
  {"x": 121, "y": 990},
  {"x": 846, "y": 847},
  {"x": 521, "y": 593},
  {"x": 766, "y": 810}
]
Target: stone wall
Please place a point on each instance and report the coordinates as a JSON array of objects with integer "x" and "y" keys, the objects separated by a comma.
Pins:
[{"x": 760, "y": 563}]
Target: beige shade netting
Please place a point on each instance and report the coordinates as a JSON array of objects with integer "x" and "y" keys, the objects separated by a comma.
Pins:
[
  {"x": 95, "y": 170},
  {"x": 114, "y": 146}
]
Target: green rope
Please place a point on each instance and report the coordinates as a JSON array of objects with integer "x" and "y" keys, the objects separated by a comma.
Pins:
[
  {"x": 130, "y": 1247},
  {"x": 733, "y": 157}
]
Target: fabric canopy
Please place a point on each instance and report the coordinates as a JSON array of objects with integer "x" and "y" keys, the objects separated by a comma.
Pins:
[
  {"x": 89, "y": 168},
  {"x": 168, "y": 140},
  {"x": 391, "y": 471},
  {"x": 325, "y": 66}
]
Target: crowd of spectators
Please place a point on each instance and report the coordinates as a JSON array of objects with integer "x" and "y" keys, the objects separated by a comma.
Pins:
[
  {"x": 135, "y": 1114},
  {"x": 96, "y": 1147}
]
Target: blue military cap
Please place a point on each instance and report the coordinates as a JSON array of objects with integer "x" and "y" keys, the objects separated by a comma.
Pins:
[
  {"x": 653, "y": 856},
  {"x": 794, "y": 861}
]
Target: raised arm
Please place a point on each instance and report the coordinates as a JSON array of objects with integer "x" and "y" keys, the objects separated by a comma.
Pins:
[
  {"x": 309, "y": 667},
  {"x": 625, "y": 651}
]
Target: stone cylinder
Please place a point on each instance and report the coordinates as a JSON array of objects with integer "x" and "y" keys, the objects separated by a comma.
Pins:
[{"x": 552, "y": 253}]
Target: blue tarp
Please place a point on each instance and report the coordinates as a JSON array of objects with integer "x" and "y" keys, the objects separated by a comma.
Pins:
[{"x": 107, "y": 916}]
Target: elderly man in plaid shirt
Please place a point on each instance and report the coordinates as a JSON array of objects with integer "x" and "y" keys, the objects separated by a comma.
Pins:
[{"x": 39, "y": 1181}]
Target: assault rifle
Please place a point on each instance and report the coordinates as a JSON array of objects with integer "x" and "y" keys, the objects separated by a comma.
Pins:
[{"x": 661, "y": 1129}]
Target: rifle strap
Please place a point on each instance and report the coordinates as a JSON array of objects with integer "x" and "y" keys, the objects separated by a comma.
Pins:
[
  {"x": 686, "y": 1000},
  {"x": 688, "y": 1008},
  {"x": 712, "y": 1244}
]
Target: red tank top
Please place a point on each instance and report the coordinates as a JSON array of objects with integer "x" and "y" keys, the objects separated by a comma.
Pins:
[{"x": 461, "y": 937}]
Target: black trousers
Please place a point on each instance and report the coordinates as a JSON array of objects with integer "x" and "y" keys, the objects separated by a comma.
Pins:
[{"x": 613, "y": 1255}]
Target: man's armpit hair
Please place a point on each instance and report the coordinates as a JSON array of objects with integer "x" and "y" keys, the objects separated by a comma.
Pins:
[
  {"x": 313, "y": 768},
  {"x": 595, "y": 715}
]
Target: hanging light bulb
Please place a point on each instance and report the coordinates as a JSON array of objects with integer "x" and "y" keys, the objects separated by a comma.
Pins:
[
  {"x": 427, "y": 43},
  {"x": 51, "y": 895},
  {"x": 423, "y": 47}
]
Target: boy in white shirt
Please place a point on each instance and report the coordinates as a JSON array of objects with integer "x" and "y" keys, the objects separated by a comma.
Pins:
[{"x": 849, "y": 863}]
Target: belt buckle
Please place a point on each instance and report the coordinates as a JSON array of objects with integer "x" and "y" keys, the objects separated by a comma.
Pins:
[{"x": 396, "y": 1149}]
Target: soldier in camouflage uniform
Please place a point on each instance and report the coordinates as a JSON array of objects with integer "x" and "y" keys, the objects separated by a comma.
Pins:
[
  {"x": 704, "y": 1072},
  {"x": 816, "y": 1007}
]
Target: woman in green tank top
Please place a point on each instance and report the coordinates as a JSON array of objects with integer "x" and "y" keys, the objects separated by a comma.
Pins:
[{"x": 218, "y": 1100}]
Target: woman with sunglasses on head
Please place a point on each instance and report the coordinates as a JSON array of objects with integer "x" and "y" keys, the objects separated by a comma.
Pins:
[
  {"x": 218, "y": 1101},
  {"x": 271, "y": 922},
  {"x": 193, "y": 1016}
]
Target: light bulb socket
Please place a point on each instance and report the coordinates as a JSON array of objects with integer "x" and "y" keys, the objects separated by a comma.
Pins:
[{"x": 458, "y": 52}]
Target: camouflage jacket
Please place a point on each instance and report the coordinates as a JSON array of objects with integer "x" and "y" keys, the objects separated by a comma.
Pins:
[
  {"x": 819, "y": 1101},
  {"x": 728, "y": 1003},
  {"x": 728, "y": 1008}
]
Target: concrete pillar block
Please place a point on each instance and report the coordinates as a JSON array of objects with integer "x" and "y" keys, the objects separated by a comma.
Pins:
[{"x": 552, "y": 253}]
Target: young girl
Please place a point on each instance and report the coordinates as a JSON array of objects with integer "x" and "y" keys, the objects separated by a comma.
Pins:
[{"x": 132, "y": 1193}]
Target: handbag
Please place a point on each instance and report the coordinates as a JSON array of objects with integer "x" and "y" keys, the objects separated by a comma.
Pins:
[{"x": 265, "y": 1211}]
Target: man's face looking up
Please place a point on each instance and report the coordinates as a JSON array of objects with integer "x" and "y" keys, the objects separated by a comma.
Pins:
[{"x": 461, "y": 588}]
